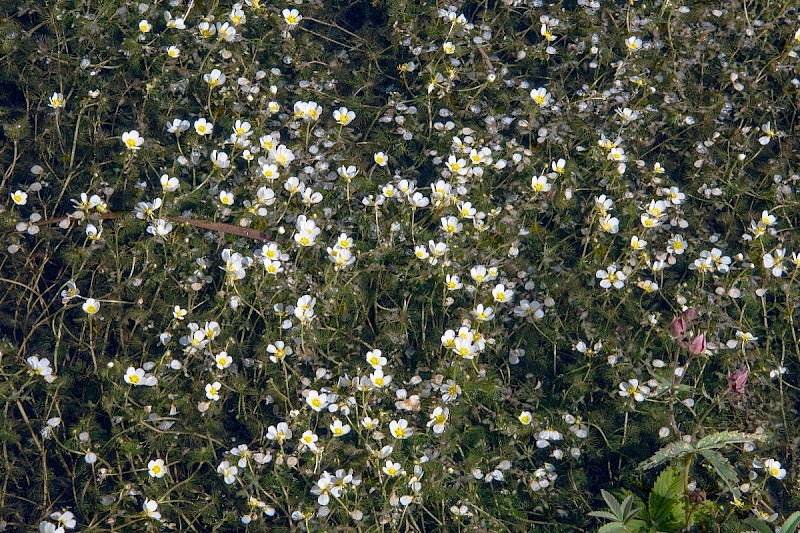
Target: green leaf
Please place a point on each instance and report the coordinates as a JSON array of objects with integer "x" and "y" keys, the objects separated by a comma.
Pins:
[
  {"x": 792, "y": 523},
  {"x": 634, "y": 526},
  {"x": 723, "y": 438},
  {"x": 613, "y": 504},
  {"x": 669, "y": 484},
  {"x": 627, "y": 513},
  {"x": 672, "y": 450},
  {"x": 666, "y": 501},
  {"x": 613, "y": 527},
  {"x": 724, "y": 469},
  {"x": 759, "y": 525},
  {"x": 604, "y": 514}
]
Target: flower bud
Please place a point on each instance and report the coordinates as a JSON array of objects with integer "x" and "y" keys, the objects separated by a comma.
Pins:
[
  {"x": 677, "y": 328},
  {"x": 698, "y": 344},
  {"x": 690, "y": 314},
  {"x": 738, "y": 380}
]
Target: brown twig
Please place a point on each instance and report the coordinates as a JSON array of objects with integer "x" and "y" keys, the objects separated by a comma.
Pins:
[{"x": 231, "y": 229}]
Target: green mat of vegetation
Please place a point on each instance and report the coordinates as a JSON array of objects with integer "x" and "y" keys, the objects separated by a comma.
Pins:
[{"x": 394, "y": 265}]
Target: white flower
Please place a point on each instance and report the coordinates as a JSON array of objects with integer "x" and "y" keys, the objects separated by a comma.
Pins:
[
  {"x": 214, "y": 78},
  {"x": 632, "y": 388},
  {"x": 19, "y": 197},
  {"x": 41, "y": 367},
  {"x": 203, "y": 127},
  {"x": 529, "y": 309},
  {"x": 281, "y": 155},
  {"x": 228, "y": 472},
  {"x": 177, "y": 126},
  {"x": 57, "y": 101},
  {"x": 292, "y": 17},
  {"x": 169, "y": 184},
  {"x": 774, "y": 262},
  {"x": 144, "y": 26},
  {"x": 438, "y": 419},
  {"x": 399, "y": 429},
  {"x": 307, "y": 231},
  {"x": 381, "y": 159},
  {"x": 309, "y": 440},
  {"x": 317, "y": 401},
  {"x": 676, "y": 245},
  {"x": 540, "y": 184},
  {"x": 65, "y": 519},
  {"x": 501, "y": 294},
  {"x": 281, "y": 432},
  {"x": 633, "y": 43},
  {"x": 132, "y": 140},
  {"x": 774, "y": 469},
  {"x": 226, "y": 198},
  {"x": 609, "y": 224},
  {"x": 159, "y": 228},
  {"x": 338, "y": 429},
  {"x": 212, "y": 390},
  {"x": 223, "y": 360},
  {"x": 156, "y": 468},
  {"x": 173, "y": 52},
  {"x": 279, "y": 351},
  {"x": 137, "y": 377},
  {"x": 541, "y": 96},
  {"x": 91, "y": 306},
  {"x": 150, "y": 509},
  {"x": 378, "y": 379},
  {"x": 611, "y": 277},
  {"x": 343, "y": 116},
  {"x": 304, "y": 310},
  {"x": 220, "y": 159},
  {"x": 392, "y": 469},
  {"x": 525, "y": 418},
  {"x": 483, "y": 314}
]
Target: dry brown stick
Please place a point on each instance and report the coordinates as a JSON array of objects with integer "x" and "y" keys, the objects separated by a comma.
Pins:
[{"x": 231, "y": 229}]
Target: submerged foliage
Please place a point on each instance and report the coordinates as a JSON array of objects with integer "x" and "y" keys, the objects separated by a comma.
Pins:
[{"x": 398, "y": 265}]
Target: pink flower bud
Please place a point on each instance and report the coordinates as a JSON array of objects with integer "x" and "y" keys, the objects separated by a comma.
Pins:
[
  {"x": 698, "y": 344},
  {"x": 677, "y": 327},
  {"x": 738, "y": 380},
  {"x": 690, "y": 314}
]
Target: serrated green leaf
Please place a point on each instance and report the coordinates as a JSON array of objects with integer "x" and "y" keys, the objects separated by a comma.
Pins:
[
  {"x": 792, "y": 523},
  {"x": 723, "y": 469},
  {"x": 759, "y": 525},
  {"x": 666, "y": 501},
  {"x": 723, "y": 438},
  {"x": 669, "y": 484},
  {"x": 672, "y": 450}
]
